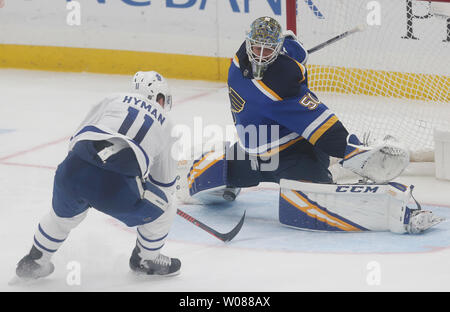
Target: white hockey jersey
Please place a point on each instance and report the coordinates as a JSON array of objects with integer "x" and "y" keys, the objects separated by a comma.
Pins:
[{"x": 131, "y": 120}]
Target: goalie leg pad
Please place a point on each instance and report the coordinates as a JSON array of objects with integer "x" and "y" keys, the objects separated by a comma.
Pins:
[
  {"x": 348, "y": 208},
  {"x": 208, "y": 172},
  {"x": 300, "y": 209},
  {"x": 206, "y": 181}
]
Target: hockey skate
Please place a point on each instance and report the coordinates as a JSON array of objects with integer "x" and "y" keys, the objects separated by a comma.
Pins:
[
  {"x": 422, "y": 220},
  {"x": 162, "y": 265},
  {"x": 33, "y": 266}
]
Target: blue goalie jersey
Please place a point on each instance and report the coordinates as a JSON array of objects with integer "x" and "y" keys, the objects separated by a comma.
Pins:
[{"x": 279, "y": 110}]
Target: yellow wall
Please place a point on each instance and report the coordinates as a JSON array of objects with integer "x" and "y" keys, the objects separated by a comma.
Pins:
[{"x": 112, "y": 61}]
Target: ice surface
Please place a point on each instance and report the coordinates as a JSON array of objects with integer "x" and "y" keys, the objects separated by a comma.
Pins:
[{"x": 39, "y": 111}]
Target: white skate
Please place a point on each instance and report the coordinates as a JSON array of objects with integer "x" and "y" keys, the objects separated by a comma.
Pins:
[{"x": 422, "y": 220}]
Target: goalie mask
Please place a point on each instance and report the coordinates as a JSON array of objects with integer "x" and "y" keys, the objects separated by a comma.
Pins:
[
  {"x": 154, "y": 87},
  {"x": 263, "y": 44}
]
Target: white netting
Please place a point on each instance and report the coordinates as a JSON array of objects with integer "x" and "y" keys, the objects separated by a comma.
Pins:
[{"x": 393, "y": 77}]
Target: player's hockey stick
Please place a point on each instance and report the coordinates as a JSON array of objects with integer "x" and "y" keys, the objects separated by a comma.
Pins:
[
  {"x": 225, "y": 237},
  {"x": 337, "y": 38}
]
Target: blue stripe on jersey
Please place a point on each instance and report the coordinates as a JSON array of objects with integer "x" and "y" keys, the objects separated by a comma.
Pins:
[
  {"x": 90, "y": 128},
  {"x": 320, "y": 125},
  {"x": 97, "y": 130}
]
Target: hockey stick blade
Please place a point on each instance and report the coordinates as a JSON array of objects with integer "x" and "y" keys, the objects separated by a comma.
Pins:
[{"x": 225, "y": 237}]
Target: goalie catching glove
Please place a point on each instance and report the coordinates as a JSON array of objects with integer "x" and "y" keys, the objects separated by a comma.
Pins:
[{"x": 381, "y": 162}]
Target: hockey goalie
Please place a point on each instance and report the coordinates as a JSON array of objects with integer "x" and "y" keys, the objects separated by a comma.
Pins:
[{"x": 287, "y": 136}]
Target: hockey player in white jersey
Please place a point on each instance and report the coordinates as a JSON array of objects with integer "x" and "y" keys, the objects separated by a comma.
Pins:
[{"x": 119, "y": 163}]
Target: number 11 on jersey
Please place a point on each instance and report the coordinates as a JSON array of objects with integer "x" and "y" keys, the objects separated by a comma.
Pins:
[{"x": 130, "y": 119}]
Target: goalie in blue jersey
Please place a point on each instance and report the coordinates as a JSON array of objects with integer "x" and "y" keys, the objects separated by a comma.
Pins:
[{"x": 286, "y": 132}]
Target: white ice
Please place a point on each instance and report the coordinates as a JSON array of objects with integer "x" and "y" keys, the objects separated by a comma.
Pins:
[{"x": 39, "y": 111}]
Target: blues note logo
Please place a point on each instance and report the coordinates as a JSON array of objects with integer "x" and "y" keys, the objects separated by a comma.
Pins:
[{"x": 237, "y": 102}]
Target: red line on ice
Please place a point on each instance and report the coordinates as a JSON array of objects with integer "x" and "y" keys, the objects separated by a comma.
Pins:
[
  {"x": 34, "y": 148},
  {"x": 27, "y": 165}
]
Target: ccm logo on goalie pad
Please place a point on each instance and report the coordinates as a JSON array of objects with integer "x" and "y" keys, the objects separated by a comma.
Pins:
[{"x": 356, "y": 189}]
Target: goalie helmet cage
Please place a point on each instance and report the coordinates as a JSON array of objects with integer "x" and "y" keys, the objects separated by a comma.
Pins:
[{"x": 393, "y": 77}]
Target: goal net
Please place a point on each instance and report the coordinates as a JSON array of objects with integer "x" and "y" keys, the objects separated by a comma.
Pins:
[{"x": 392, "y": 77}]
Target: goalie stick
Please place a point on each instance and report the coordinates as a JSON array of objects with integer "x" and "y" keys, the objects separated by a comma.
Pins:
[
  {"x": 337, "y": 38},
  {"x": 225, "y": 237}
]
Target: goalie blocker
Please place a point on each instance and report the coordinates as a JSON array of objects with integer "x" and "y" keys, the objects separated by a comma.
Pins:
[{"x": 351, "y": 208}]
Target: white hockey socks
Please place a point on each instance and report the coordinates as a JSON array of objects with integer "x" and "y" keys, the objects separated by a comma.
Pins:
[
  {"x": 52, "y": 231},
  {"x": 152, "y": 236}
]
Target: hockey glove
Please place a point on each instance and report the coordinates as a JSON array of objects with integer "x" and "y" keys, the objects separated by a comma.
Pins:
[{"x": 381, "y": 162}]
